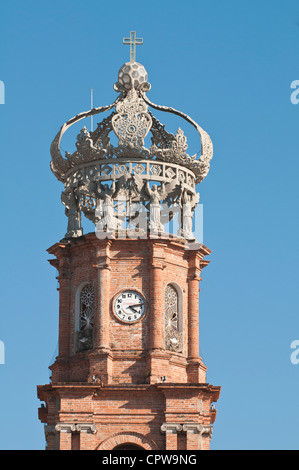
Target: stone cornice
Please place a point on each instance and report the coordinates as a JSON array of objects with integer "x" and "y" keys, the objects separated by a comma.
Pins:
[
  {"x": 195, "y": 250},
  {"x": 200, "y": 387}
]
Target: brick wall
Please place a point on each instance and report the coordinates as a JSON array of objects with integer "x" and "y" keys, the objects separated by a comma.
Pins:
[{"x": 126, "y": 357}]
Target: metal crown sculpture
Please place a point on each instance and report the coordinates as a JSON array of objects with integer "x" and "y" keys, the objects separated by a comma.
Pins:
[{"x": 113, "y": 185}]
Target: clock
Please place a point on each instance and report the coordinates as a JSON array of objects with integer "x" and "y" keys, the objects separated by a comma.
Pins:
[{"x": 129, "y": 306}]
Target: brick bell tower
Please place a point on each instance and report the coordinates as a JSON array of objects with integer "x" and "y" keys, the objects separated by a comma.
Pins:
[{"x": 128, "y": 373}]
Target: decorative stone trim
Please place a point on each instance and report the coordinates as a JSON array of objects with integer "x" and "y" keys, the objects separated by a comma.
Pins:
[
  {"x": 65, "y": 427},
  {"x": 192, "y": 428},
  {"x": 171, "y": 428},
  {"x": 80, "y": 427},
  {"x": 207, "y": 430},
  {"x": 87, "y": 428},
  {"x": 195, "y": 428}
]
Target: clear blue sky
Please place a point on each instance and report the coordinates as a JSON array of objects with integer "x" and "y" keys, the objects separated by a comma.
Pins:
[{"x": 229, "y": 65}]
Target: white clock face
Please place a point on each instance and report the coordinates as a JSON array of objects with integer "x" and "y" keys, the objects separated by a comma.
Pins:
[{"x": 129, "y": 306}]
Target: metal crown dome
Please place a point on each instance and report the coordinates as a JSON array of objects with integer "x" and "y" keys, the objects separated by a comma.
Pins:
[{"x": 128, "y": 169}]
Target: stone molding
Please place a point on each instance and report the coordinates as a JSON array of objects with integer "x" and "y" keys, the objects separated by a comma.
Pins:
[
  {"x": 192, "y": 428},
  {"x": 86, "y": 428},
  {"x": 78, "y": 427},
  {"x": 207, "y": 430},
  {"x": 65, "y": 427},
  {"x": 198, "y": 429},
  {"x": 171, "y": 428}
]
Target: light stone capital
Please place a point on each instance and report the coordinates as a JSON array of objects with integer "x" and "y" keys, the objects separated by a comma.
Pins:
[
  {"x": 207, "y": 430},
  {"x": 195, "y": 428},
  {"x": 78, "y": 427},
  {"x": 171, "y": 428},
  {"x": 192, "y": 428},
  {"x": 65, "y": 427},
  {"x": 86, "y": 428}
]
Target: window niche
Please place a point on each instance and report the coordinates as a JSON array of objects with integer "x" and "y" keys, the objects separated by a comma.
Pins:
[
  {"x": 84, "y": 317},
  {"x": 173, "y": 319}
]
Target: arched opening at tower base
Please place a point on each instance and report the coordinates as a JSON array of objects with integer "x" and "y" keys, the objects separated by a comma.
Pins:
[{"x": 128, "y": 446}]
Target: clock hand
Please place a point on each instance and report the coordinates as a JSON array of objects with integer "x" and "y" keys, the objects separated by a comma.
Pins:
[{"x": 134, "y": 309}]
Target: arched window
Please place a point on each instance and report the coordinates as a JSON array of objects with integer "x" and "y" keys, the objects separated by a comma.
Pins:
[
  {"x": 85, "y": 317},
  {"x": 86, "y": 307},
  {"x": 173, "y": 333}
]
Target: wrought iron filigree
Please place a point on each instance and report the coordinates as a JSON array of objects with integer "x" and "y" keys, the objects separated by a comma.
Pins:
[
  {"x": 86, "y": 307},
  {"x": 86, "y": 319},
  {"x": 173, "y": 337},
  {"x": 131, "y": 123}
]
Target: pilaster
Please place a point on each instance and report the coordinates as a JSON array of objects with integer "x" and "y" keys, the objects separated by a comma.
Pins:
[
  {"x": 85, "y": 431},
  {"x": 171, "y": 435},
  {"x": 156, "y": 355},
  {"x": 67, "y": 432},
  {"x": 64, "y": 280},
  {"x": 195, "y": 433},
  {"x": 101, "y": 359},
  {"x": 196, "y": 369},
  {"x": 65, "y": 435}
]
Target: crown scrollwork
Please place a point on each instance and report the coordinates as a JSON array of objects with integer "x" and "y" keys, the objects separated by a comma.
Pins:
[{"x": 137, "y": 176}]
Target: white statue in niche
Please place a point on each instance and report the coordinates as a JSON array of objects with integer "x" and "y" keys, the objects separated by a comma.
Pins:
[
  {"x": 70, "y": 200},
  {"x": 105, "y": 209},
  {"x": 156, "y": 195},
  {"x": 189, "y": 204}
]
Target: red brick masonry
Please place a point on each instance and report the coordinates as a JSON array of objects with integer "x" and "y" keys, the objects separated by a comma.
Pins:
[{"x": 128, "y": 388}]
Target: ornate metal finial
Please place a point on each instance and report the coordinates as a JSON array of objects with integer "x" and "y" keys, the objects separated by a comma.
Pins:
[{"x": 133, "y": 41}]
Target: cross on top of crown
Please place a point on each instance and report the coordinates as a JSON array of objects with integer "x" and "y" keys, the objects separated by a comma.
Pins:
[{"x": 133, "y": 41}]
